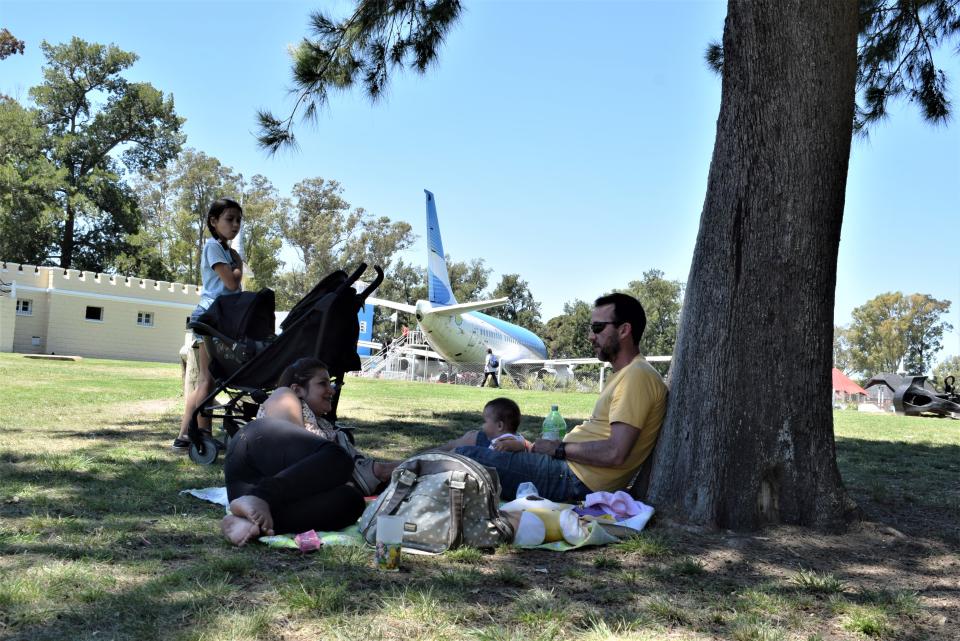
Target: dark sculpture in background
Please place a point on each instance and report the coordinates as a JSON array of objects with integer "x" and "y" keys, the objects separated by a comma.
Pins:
[{"x": 914, "y": 396}]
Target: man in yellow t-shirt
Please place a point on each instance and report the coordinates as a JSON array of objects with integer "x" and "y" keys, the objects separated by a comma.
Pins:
[{"x": 605, "y": 451}]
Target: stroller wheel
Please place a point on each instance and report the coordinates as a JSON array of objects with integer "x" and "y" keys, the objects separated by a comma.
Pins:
[{"x": 210, "y": 452}]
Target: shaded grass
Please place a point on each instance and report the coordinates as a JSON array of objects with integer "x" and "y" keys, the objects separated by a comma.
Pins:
[{"x": 96, "y": 542}]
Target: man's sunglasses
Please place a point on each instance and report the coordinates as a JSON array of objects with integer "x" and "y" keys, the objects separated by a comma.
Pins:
[{"x": 597, "y": 326}]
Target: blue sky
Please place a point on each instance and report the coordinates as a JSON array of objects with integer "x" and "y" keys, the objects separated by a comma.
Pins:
[{"x": 568, "y": 142}]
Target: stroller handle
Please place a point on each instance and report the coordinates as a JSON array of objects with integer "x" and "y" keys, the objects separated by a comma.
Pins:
[
  {"x": 352, "y": 278},
  {"x": 372, "y": 286}
]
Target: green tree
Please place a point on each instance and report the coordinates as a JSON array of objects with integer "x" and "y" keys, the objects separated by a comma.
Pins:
[
  {"x": 198, "y": 180},
  {"x": 949, "y": 366},
  {"x": 841, "y": 350},
  {"x": 468, "y": 279},
  {"x": 156, "y": 200},
  {"x": 924, "y": 331},
  {"x": 661, "y": 299},
  {"x": 402, "y": 283},
  {"x": 328, "y": 235},
  {"x": 891, "y": 328},
  {"x": 174, "y": 201},
  {"x": 895, "y": 57},
  {"x": 263, "y": 209},
  {"x": 360, "y": 49},
  {"x": 28, "y": 179},
  {"x": 522, "y": 309},
  {"x": 566, "y": 335},
  {"x": 98, "y": 125},
  {"x": 763, "y": 276},
  {"x": 318, "y": 224},
  {"x": 376, "y": 241},
  {"x": 10, "y": 45}
]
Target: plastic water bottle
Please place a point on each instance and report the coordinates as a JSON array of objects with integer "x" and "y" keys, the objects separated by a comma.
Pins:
[{"x": 554, "y": 427}]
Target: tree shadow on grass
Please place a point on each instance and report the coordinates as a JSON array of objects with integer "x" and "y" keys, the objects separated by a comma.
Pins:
[
  {"x": 399, "y": 438},
  {"x": 139, "y": 430},
  {"x": 709, "y": 583},
  {"x": 912, "y": 487}
]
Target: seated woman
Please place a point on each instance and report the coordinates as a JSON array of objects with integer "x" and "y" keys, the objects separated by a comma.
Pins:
[
  {"x": 290, "y": 471},
  {"x": 303, "y": 389}
]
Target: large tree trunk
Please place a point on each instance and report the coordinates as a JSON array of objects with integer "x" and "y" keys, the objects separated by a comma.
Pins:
[
  {"x": 67, "y": 242},
  {"x": 748, "y": 437}
]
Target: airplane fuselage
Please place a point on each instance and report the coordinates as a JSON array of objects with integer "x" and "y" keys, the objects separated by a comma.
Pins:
[{"x": 464, "y": 338}]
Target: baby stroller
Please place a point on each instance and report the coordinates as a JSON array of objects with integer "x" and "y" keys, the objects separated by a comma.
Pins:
[{"x": 246, "y": 359}]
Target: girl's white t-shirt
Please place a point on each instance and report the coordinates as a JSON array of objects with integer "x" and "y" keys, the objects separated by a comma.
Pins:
[{"x": 213, "y": 254}]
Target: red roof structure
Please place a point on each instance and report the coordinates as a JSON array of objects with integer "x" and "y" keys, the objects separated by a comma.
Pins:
[{"x": 843, "y": 384}]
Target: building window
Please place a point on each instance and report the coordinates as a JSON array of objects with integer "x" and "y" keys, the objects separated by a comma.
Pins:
[
  {"x": 24, "y": 307},
  {"x": 145, "y": 319},
  {"x": 35, "y": 341},
  {"x": 94, "y": 313}
]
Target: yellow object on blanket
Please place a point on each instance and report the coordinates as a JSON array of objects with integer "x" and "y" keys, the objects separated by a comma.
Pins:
[
  {"x": 539, "y": 519},
  {"x": 551, "y": 522}
]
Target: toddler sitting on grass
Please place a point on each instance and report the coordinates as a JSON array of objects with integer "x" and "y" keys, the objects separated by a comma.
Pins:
[{"x": 501, "y": 418}]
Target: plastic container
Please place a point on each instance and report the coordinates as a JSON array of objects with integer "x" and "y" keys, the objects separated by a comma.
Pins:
[
  {"x": 389, "y": 540},
  {"x": 554, "y": 427}
]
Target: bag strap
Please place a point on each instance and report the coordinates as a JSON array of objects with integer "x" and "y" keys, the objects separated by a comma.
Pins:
[
  {"x": 458, "y": 483},
  {"x": 404, "y": 484}
]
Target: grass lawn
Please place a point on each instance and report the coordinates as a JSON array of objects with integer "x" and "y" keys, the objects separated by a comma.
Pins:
[{"x": 96, "y": 542}]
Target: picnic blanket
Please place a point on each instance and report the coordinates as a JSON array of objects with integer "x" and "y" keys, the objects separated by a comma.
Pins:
[
  {"x": 603, "y": 518},
  {"x": 347, "y": 536}
]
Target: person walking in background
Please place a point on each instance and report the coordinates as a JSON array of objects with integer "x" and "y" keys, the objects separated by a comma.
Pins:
[
  {"x": 221, "y": 272},
  {"x": 490, "y": 367}
]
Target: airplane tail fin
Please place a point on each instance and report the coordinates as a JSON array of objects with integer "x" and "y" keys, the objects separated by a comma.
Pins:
[{"x": 438, "y": 280}]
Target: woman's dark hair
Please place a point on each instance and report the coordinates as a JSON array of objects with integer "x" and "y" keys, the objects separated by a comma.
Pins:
[
  {"x": 301, "y": 371},
  {"x": 216, "y": 209}
]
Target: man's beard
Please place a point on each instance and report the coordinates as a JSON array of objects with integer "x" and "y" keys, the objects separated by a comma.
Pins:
[{"x": 608, "y": 351}]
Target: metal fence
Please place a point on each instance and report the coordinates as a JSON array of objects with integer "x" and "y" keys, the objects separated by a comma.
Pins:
[
  {"x": 586, "y": 378},
  {"x": 410, "y": 358}
]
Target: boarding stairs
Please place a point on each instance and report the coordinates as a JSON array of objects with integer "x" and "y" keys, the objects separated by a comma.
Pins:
[{"x": 387, "y": 359}]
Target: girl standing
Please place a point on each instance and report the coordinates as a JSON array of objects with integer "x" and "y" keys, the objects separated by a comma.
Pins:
[{"x": 221, "y": 271}]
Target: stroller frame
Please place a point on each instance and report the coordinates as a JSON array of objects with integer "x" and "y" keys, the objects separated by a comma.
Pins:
[{"x": 239, "y": 410}]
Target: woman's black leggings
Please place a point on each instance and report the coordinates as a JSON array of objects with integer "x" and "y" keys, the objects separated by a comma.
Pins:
[{"x": 299, "y": 474}]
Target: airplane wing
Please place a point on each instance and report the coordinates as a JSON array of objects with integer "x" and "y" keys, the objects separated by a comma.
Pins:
[
  {"x": 463, "y": 308},
  {"x": 402, "y": 307}
]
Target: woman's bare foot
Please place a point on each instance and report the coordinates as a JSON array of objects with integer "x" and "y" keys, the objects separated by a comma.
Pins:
[
  {"x": 238, "y": 530},
  {"x": 255, "y": 510}
]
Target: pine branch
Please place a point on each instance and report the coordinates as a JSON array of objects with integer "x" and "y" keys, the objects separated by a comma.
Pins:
[{"x": 378, "y": 35}]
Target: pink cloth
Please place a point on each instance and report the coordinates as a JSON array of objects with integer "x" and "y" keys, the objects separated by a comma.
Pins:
[
  {"x": 308, "y": 541},
  {"x": 618, "y": 504}
]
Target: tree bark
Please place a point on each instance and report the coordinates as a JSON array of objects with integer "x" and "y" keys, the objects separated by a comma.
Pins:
[
  {"x": 748, "y": 436},
  {"x": 66, "y": 245}
]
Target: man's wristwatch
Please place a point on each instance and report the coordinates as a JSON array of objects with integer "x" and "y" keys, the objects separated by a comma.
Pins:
[{"x": 561, "y": 451}]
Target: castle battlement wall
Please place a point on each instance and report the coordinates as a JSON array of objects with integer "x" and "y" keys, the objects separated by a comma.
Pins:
[
  {"x": 74, "y": 280},
  {"x": 68, "y": 311}
]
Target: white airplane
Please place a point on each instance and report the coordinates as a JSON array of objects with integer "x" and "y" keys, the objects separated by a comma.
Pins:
[{"x": 458, "y": 332}]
